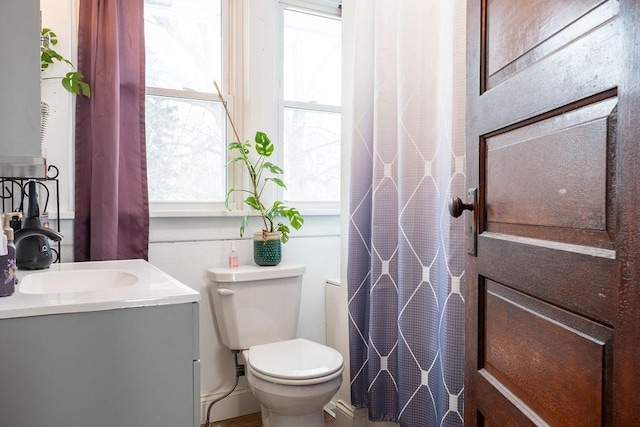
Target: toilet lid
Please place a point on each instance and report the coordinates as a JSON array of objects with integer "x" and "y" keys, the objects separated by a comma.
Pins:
[{"x": 295, "y": 359}]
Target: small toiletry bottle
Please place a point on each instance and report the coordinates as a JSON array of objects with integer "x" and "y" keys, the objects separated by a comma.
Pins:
[
  {"x": 7, "y": 284},
  {"x": 8, "y": 262},
  {"x": 233, "y": 257}
]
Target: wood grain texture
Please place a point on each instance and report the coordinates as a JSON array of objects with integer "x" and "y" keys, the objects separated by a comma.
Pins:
[
  {"x": 513, "y": 31},
  {"x": 589, "y": 66},
  {"x": 541, "y": 352},
  {"x": 578, "y": 282},
  {"x": 551, "y": 173},
  {"x": 573, "y": 261},
  {"x": 541, "y": 31}
]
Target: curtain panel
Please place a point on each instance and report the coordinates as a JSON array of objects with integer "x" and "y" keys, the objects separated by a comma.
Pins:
[
  {"x": 111, "y": 202},
  {"x": 405, "y": 273}
]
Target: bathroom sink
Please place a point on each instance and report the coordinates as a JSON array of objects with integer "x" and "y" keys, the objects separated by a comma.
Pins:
[{"x": 57, "y": 282}]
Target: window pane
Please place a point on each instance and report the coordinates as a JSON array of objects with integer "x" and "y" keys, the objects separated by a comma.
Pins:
[
  {"x": 312, "y": 155},
  {"x": 312, "y": 50},
  {"x": 185, "y": 150},
  {"x": 183, "y": 44}
]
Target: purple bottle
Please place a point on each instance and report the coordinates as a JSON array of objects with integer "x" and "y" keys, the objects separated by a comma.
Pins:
[{"x": 8, "y": 267}]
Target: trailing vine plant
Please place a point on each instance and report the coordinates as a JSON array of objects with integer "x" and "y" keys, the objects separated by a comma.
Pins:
[{"x": 73, "y": 81}]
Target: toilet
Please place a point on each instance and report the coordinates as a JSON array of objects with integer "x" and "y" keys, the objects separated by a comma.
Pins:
[{"x": 256, "y": 311}]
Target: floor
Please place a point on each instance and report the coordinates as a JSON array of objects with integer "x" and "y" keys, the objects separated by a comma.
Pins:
[{"x": 254, "y": 420}]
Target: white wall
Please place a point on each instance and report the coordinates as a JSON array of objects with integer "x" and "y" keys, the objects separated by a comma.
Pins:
[
  {"x": 60, "y": 16},
  {"x": 186, "y": 246}
]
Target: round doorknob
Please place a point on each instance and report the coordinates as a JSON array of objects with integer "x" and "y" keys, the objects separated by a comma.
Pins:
[{"x": 456, "y": 207}]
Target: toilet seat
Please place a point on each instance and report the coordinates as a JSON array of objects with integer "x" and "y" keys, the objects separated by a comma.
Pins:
[{"x": 295, "y": 362}]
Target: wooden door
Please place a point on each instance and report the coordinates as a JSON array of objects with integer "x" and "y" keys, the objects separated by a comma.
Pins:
[{"x": 553, "y": 147}]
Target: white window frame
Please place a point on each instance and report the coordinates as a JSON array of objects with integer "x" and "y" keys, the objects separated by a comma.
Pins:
[
  {"x": 249, "y": 103},
  {"x": 232, "y": 52},
  {"x": 330, "y": 9}
]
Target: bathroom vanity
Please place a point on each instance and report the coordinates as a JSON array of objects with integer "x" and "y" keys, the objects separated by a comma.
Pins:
[{"x": 111, "y": 343}]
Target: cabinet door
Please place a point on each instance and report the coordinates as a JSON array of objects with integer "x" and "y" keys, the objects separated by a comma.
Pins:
[
  {"x": 126, "y": 367},
  {"x": 19, "y": 80}
]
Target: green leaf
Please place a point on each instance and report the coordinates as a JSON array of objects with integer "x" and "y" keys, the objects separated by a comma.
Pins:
[
  {"x": 264, "y": 147},
  {"x": 253, "y": 202},
  {"x": 278, "y": 181},
  {"x": 68, "y": 85},
  {"x": 244, "y": 224},
  {"x": 226, "y": 199},
  {"x": 70, "y": 82},
  {"x": 273, "y": 168},
  {"x": 284, "y": 230},
  {"x": 294, "y": 217},
  {"x": 234, "y": 146},
  {"x": 85, "y": 89},
  {"x": 235, "y": 159},
  {"x": 277, "y": 209},
  {"x": 48, "y": 38},
  {"x": 45, "y": 59}
]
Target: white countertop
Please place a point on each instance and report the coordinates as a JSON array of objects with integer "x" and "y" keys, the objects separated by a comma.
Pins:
[{"x": 154, "y": 287}]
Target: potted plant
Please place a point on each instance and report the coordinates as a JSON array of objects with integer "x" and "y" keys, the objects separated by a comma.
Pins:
[
  {"x": 72, "y": 80},
  {"x": 254, "y": 156}
]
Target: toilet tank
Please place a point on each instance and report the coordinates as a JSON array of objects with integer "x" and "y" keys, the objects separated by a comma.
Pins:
[{"x": 256, "y": 305}]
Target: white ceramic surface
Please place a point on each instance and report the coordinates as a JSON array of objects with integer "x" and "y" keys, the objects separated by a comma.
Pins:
[
  {"x": 58, "y": 282},
  {"x": 152, "y": 287},
  {"x": 298, "y": 360},
  {"x": 256, "y": 305},
  {"x": 250, "y": 273}
]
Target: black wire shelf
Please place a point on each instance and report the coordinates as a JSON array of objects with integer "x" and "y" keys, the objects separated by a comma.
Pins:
[{"x": 14, "y": 195}]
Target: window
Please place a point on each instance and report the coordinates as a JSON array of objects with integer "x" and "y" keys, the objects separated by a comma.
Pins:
[
  {"x": 187, "y": 46},
  {"x": 311, "y": 90},
  {"x": 185, "y": 122}
]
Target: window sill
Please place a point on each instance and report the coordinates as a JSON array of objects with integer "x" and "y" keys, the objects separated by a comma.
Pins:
[{"x": 214, "y": 213}]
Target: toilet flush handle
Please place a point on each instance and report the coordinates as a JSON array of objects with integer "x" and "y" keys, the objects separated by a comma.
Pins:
[{"x": 225, "y": 292}]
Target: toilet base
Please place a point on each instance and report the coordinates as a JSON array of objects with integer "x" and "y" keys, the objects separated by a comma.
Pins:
[{"x": 273, "y": 419}]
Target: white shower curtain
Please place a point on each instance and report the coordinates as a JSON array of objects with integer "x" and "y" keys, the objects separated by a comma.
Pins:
[{"x": 406, "y": 254}]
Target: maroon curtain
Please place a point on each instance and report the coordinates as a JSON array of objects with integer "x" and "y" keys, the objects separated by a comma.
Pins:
[{"x": 111, "y": 202}]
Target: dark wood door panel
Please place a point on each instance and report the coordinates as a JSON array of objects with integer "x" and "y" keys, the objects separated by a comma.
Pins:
[
  {"x": 497, "y": 406},
  {"x": 538, "y": 352},
  {"x": 575, "y": 278},
  {"x": 552, "y": 329},
  {"x": 553, "y": 173},
  {"x": 586, "y": 67},
  {"x": 517, "y": 37}
]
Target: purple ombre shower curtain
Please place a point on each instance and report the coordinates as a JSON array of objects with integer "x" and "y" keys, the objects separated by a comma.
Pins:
[
  {"x": 111, "y": 203},
  {"x": 406, "y": 254}
]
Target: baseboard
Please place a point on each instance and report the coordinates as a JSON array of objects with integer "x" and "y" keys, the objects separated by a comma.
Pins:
[
  {"x": 239, "y": 402},
  {"x": 349, "y": 416},
  {"x": 330, "y": 408}
]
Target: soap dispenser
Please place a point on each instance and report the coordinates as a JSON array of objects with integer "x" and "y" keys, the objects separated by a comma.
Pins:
[{"x": 8, "y": 261}]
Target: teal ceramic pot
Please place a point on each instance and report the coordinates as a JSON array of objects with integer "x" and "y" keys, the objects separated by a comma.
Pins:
[{"x": 267, "y": 249}]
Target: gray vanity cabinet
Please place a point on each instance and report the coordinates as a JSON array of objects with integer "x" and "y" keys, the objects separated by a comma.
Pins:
[{"x": 125, "y": 367}]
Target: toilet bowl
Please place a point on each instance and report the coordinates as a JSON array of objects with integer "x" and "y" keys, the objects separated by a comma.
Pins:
[
  {"x": 256, "y": 311},
  {"x": 293, "y": 380}
]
